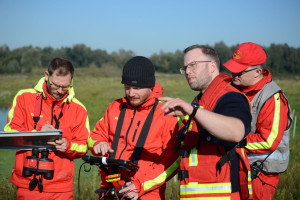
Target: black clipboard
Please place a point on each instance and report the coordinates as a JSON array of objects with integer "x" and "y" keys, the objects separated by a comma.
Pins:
[{"x": 29, "y": 140}]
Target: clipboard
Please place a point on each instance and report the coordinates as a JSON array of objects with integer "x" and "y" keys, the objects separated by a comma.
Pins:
[{"x": 29, "y": 140}]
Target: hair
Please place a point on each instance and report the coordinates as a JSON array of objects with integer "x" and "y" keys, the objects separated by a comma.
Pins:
[
  {"x": 207, "y": 50},
  {"x": 63, "y": 65}
]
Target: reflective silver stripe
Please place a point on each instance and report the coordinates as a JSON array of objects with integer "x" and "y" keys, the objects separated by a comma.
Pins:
[
  {"x": 193, "y": 158},
  {"x": 275, "y": 155},
  {"x": 194, "y": 188}
]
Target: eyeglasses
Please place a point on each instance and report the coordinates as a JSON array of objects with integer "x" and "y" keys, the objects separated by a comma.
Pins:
[
  {"x": 243, "y": 72},
  {"x": 63, "y": 87},
  {"x": 191, "y": 66}
]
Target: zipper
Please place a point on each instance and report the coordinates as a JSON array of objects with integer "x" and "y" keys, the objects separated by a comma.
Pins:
[
  {"x": 127, "y": 133},
  {"x": 137, "y": 127}
]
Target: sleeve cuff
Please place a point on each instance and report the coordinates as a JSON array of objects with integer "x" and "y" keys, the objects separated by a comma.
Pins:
[{"x": 138, "y": 187}]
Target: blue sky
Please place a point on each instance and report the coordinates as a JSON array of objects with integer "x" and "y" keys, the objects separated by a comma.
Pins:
[{"x": 147, "y": 27}]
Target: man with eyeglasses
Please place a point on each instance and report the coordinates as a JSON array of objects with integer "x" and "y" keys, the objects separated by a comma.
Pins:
[
  {"x": 53, "y": 101},
  {"x": 213, "y": 164},
  {"x": 268, "y": 142}
]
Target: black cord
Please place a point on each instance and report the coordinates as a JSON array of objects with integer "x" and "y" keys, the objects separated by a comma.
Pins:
[{"x": 79, "y": 177}]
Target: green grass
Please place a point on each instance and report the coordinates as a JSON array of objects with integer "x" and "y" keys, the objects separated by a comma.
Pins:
[{"x": 96, "y": 88}]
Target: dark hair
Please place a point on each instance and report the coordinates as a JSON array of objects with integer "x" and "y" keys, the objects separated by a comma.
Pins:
[
  {"x": 207, "y": 50},
  {"x": 63, "y": 65}
]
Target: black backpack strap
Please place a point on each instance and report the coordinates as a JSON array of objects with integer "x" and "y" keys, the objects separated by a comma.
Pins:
[
  {"x": 143, "y": 136},
  {"x": 231, "y": 154},
  {"x": 118, "y": 132}
]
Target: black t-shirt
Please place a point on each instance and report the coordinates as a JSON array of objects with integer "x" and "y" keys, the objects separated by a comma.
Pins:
[{"x": 235, "y": 105}]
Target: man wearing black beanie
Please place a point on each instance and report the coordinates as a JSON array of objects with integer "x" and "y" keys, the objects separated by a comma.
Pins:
[{"x": 119, "y": 134}]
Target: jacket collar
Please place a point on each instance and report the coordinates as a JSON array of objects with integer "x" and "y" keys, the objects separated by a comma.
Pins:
[
  {"x": 215, "y": 87},
  {"x": 41, "y": 87}
]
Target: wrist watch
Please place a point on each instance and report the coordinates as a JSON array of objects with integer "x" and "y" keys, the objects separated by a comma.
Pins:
[{"x": 195, "y": 108}]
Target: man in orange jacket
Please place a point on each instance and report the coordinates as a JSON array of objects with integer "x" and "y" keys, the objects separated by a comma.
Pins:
[
  {"x": 213, "y": 165},
  {"x": 268, "y": 142},
  {"x": 57, "y": 108},
  {"x": 142, "y": 118}
]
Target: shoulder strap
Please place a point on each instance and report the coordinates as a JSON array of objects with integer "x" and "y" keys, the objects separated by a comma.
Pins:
[
  {"x": 37, "y": 109},
  {"x": 143, "y": 136},
  {"x": 259, "y": 100},
  {"x": 118, "y": 131}
]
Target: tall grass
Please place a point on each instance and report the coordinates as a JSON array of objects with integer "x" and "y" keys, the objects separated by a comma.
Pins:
[{"x": 96, "y": 88}]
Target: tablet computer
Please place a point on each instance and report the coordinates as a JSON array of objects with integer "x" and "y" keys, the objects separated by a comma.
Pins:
[{"x": 29, "y": 140}]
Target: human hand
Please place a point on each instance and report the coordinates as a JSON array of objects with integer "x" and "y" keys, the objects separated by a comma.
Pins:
[
  {"x": 60, "y": 145},
  {"x": 47, "y": 127},
  {"x": 103, "y": 148},
  {"x": 130, "y": 191},
  {"x": 176, "y": 106}
]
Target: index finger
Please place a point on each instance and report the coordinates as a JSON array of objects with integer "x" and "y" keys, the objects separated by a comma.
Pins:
[
  {"x": 127, "y": 188},
  {"x": 51, "y": 143},
  {"x": 165, "y": 98},
  {"x": 59, "y": 141}
]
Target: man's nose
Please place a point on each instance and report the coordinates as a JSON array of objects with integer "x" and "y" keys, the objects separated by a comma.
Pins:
[
  {"x": 60, "y": 90},
  {"x": 188, "y": 70},
  {"x": 131, "y": 92}
]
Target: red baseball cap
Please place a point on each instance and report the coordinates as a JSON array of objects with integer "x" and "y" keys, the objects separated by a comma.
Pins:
[{"x": 246, "y": 55}]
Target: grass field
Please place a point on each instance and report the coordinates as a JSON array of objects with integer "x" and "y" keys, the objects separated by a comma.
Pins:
[{"x": 96, "y": 88}]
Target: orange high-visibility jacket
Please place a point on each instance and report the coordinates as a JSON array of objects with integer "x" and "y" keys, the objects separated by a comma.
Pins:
[
  {"x": 160, "y": 143},
  {"x": 74, "y": 124},
  {"x": 200, "y": 174}
]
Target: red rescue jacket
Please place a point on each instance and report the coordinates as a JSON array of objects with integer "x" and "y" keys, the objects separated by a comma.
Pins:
[
  {"x": 160, "y": 143},
  {"x": 74, "y": 124}
]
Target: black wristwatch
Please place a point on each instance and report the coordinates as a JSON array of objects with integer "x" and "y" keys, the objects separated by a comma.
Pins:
[{"x": 195, "y": 108}]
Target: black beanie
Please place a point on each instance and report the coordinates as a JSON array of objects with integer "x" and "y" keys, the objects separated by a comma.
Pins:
[{"x": 139, "y": 71}]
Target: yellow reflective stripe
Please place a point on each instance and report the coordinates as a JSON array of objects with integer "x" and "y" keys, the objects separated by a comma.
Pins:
[
  {"x": 193, "y": 159},
  {"x": 210, "y": 188},
  {"x": 186, "y": 117},
  {"x": 243, "y": 152},
  {"x": 91, "y": 142},
  {"x": 249, "y": 176},
  {"x": 79, "y": 148},
  {"x": 180, "y": 120},
  {"x": 87, "y": 124},
  {"x": 191, "y": 125},
  {"x": 274, "y": 132},
  {"x": 249, "y": 183},
  {"x": 11, "y": 111},
  {"x": 206, "y": 198},
  {"x": 163, "y": 176}
]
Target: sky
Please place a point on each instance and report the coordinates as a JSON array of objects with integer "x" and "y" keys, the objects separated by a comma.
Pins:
[{"x": 147, "y": 27}]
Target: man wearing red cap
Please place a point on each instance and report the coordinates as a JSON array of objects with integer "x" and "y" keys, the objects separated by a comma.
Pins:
[{"x": 268, "y": 143}]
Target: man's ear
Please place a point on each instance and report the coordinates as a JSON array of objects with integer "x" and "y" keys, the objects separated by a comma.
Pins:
[
  {"x": 258, "y": 72},
  {"x": 46, "y": 73},
  {"x": 213, "y": 66}
]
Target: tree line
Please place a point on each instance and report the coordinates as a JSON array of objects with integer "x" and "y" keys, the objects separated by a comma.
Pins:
[{"x": 282, "y": 59}]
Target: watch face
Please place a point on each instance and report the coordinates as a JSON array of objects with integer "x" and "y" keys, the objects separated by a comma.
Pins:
[{"x": 195, "y": 105}]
